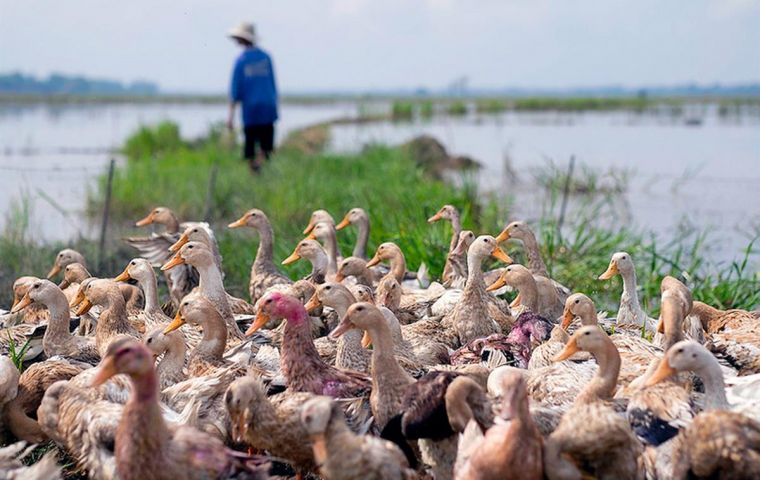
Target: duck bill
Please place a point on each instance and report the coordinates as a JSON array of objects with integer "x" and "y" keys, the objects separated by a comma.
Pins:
[
  {"x": 292, "y": 258},
  {"x": 343, "y": 223},
  {"x": 64, "y": 283},
  {"x": 309, "y": 227},
  {"x": 339, "y": 277},
  {"x": 660, "y": 325},
  {"x": 240, "y": 222},
  {"x": 663, "y": 372},
  {"x": 311, "y": 236},
  {"x": 375, "y": 260},
  {"x": 21, "y": 304},
  {"x": 239, "y": 426},
  {"x": 500, "y": 254},
  {"x": 611, "y": 271},
  {"x": 460, "y": 248},
  {"x": 79, "y": 298},
  {"x": 176, "y": 260},
  {"x": 312, "y": 303},
  {"x": 567, "y": 318},
  {"x": 261, "y": 319},
  {"x": 500, "y": 282},
  {"x": 53, "y": 271},
  {"x": 366, "y": 339},
  {"x": 344, "y": 326},
  {"x": 145, "y": 221},
  {"x": 503, "y": 236},
  {"x": 516, "y": 302},
  {"x": 319, "y": 446},
  {"x": 84, "y": 307},
  {"x": 106, "y": 370},
  {"x": 123, "y": 276},
  {"x": 435, "y": 218},
  {"x": 176, "y": 323},
  {"x": 178, "y": 244},
  {"x": 571, "y": 348}
]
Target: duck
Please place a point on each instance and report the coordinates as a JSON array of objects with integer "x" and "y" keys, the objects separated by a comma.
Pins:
[
  {"x": 359, "y": 218},
  {"x": 324, "y": 232},
  {"x": 355, "y": 267},
  {"x": 472, "y": 318},
  {"x": 719, "y": 442},
  {"x": 592, "y": 436},
  {"x": 637, "y": 352},
  {"x": 141, "y": 270},
  {"x": 318, "y": 216},
  {"x": 15, "y": 458},
  {"x": 113, "y": 321},
  {"x": 271, "y": 423},
  {"x": 301, "y": 364},
  {"x": 390, "y": 252},
  {"x": 342, "y": 454},
  {"x": 76, "y": 273},
  {"x": 738, "y": 347},
  {"x": 630, "y": 311},
  {"x": 264, "y": 274},
  {"x": 349, "y": 354},
  {"x": 389, "y": 380},
  {"x": 63, "y": 258},
  {"x": 542, "y": 296},
  {"x": 20, "y": 413},
  {"x": 520, "y": 230},
  {"x": 211, "y": 286},
  {"x": 145, "y": 445},
  {"x": 456, "y": 264},
  {"x": 172, "y": 348},
  {"x": 511, "y": 449},
  {"x": 33, "y": 314},
  {"x": 58, "y": 339},
  {"x": 714, "y": 320},
  {"x": 316, "y": 255}
]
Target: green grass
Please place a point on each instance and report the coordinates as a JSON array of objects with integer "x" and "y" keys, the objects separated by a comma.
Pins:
[
  {"x": 457, "y": 108},
  {"x": 402, "y": 110}
]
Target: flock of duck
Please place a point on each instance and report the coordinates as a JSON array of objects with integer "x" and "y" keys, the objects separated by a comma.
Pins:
[{"x": 366, "y": 370}]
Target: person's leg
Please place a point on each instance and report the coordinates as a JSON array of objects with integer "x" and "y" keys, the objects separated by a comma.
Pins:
[
  {"x": 249, "y": 149},
  {"x": 267, "y": 139}
]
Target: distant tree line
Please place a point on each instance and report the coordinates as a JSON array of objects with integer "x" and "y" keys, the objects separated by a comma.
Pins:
[{"x": 55, "y": 84}]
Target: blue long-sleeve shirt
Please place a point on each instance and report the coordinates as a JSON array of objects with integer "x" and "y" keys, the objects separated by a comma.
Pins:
[{"x": 254, "y": 87}]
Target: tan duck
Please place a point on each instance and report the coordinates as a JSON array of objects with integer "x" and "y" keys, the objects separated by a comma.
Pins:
[
  {"x": 342, "y": 454},
  {"x": 20, "y": 413},
  {"x": 264, "y": 274},
  {"x": 390, "y": 252},
  {"x": 675, "y": 304},
  {"x": 536, "y": 293},
  {"x": 172, "y": 349},
  {"x": 389, "y": 380},
  {"x": 472, "y": 318},
  {"x": 141, "y": 270},
  {"x": 456, "y": 264},
  {"x": 145, "y": 446},
  {"x": 592, "y": 436},
  {"x": 357, "y": 268},
  {"x": 732, "y": 335},
  {"x": 33, "y": 314},
  {"x": 359, "y": 218},
  {"x": 718, "y": 443},
  {"x": 113, "y": 320},
  {"x": 324, "y": 232},
  {"x": 637, "y": 353},
  {"x": 318, "y": 216},
  {"x": 630, "y": 311},
  {"x": 312, "y": 251},
  {"x": 349, "y": 354},
  {"x": 271, "y": 423},
  {"x": 511, "y": 448},
  {"x": 211, "y": 286},
  {"x": 65, "y": 257},
  {"x": 57, "y": 339},
  {"x": 76, "y": 273},
  {"x": 521, "y": 231},
  {"x": 714, "y": 320}
]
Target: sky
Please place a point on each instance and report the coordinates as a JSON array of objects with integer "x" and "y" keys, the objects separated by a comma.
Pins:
[{"x": 328, "y": 45}]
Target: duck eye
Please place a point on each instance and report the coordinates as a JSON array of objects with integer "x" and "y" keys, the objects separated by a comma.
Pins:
[
  {"x": 150, "y": 340},
  {"x": 132, "y": 263},
  {"x": 37, "y": 285},
  {"x": 577, "y": 300},
  {"x": 680, "y": 350},
  {"x": 328, "y": 287},
  {"x": 360, "y": 309},
  {"x": 269, "y": 300},
  {"x": 189, "y": 246},
  {"x": 587, "y": 333}
]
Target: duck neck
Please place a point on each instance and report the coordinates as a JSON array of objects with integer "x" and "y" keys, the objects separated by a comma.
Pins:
[
  {"x": 171, "y": 224},
  {"x": 59, "y": 323},
  {"x": 142, "y": 433},
  {"x": 211, "y": 282},
  {"x": 535, "y": 262},
  {"x": 300, "y": 358},
  {"x": 384, "y": 363},
  {"x": 331, "y": 248},
  {"x": 362, "y": 237},
  {"x": 456, "y": 229},
  {"x": 398, "y": 266},
  {"x": 528, "y": 292},
  {"x": 706, "y": 315},
  {"x": 341, "y": 304},
  {"x": 475, "y": 283},
  {"x": 338, "y": 434},
  {"x": 319, "y": 268},
  {"x": 588, "y": 317},
  {"x": 149, "y": 287},
  {"x": 672, "y": 318},
  {"x": 20, "y": 424},
  {"x": 266, "y": 245},
  {"x": 631, "y": 296},
  {"x": 602, "y": 386},
  {"x": 214, "y": 340},
  {"x": 715, "y": 388},
  {"x": 116, "y": 310},
  {"x": 173, "y": 360}
]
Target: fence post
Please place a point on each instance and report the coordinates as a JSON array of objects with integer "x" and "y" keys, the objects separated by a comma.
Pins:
[
  {"x": 210, "y": 192},
  {"x": 106, "y": 214},
  {"x": 565, "y": 194}
]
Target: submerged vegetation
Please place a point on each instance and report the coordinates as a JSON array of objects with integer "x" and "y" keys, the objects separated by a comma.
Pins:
[{"x": 207, "y": 180}]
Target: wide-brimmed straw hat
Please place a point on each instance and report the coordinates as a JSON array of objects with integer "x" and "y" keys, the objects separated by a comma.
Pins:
[{"x": 244, "y": 31}]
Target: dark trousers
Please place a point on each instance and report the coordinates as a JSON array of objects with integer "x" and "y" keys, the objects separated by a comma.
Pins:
[{"x": 261, "y": 136}]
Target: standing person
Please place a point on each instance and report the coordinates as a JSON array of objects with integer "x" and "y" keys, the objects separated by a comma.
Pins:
[{"x": 253, "y": 87}]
